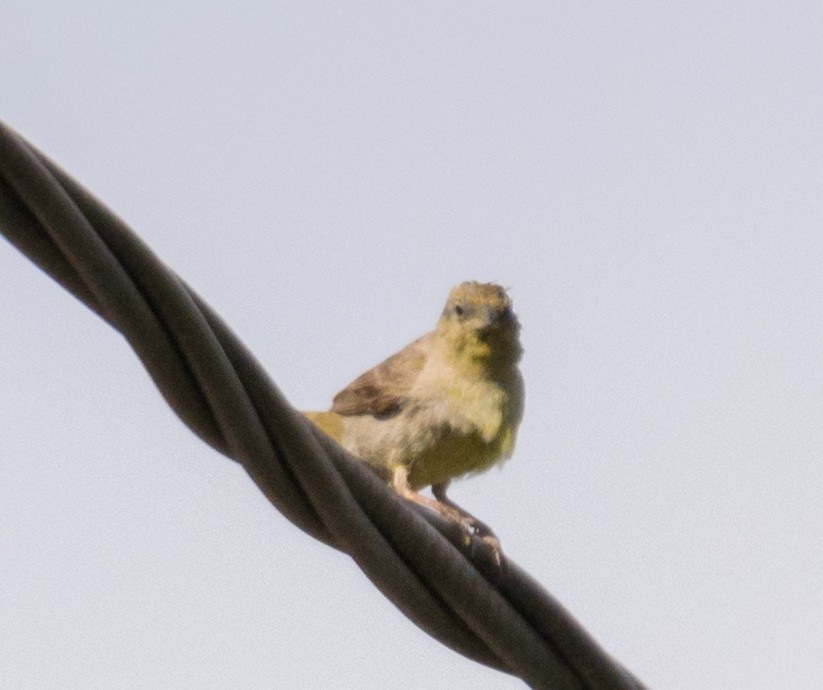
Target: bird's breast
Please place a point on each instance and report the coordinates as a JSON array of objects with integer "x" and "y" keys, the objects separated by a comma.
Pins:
[{"x": 470, "y": 433}]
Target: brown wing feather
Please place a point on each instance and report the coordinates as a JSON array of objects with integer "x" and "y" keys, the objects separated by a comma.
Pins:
[{"x": 383, "y": 390}]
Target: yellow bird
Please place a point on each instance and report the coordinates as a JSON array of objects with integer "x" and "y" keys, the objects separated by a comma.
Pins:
[{"x": 447, "y": 405}]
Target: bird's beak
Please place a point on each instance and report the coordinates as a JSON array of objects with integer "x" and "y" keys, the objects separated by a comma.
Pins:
[{"x": 494, "y": 318}]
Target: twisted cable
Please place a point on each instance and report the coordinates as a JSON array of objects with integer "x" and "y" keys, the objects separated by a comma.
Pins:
[{"x": 221, "y": 392}]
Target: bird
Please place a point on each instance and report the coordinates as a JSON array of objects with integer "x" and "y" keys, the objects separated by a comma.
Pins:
[{"x": 447, "y": 405}]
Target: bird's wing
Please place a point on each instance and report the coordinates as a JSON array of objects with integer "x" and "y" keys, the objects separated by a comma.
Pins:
[{"x": 384, "y": 390}]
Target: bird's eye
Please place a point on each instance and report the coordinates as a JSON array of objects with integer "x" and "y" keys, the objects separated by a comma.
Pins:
[{"x": 458, "y": 310}]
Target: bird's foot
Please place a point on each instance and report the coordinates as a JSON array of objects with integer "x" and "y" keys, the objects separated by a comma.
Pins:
[{"x": 483, "y": 542}]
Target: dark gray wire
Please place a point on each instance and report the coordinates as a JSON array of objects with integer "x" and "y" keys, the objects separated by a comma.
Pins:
[{"x": 222, "y": 393}]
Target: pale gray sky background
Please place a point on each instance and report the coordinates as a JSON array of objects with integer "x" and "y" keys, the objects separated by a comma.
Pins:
[{"x": 647, "y": 177}]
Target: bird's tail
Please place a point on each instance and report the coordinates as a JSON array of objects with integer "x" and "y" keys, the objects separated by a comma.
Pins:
[{"x": 328, "y": 422}]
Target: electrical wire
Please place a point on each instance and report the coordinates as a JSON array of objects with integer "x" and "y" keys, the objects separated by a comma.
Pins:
[{"x": 215, "y": 385}]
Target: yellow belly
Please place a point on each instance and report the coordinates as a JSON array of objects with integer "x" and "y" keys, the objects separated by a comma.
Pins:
[
  {"x": 435, "y": 443},
  {"x": 456, "y": 455}
]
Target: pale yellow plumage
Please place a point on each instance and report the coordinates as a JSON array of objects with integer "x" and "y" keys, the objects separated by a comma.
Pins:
[{"x": 446, "y": 405}]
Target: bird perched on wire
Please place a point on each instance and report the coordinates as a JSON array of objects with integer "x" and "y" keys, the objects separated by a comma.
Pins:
[{"x": 447, "y": 405}]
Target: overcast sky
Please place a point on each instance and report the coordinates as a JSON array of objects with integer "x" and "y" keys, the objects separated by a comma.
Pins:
[{"x": 646, "y": 177}]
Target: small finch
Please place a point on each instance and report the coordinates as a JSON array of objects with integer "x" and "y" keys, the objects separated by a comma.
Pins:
[{"x": 446, "y": 405}]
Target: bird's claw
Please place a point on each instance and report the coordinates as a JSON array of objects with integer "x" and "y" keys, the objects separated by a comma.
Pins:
[
  {"x": 479, "y": 534},
  {"x": 477, "y": 528}
]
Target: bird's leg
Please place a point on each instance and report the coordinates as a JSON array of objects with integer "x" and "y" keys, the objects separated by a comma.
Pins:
[
  {"x": 479, "y": 527},
  {"x": 441, "y": 503},
  {"x": 400, "y": 483}
]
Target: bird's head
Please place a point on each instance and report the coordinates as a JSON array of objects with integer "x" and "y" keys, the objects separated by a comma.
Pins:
[{"x": 480, "y": 315}]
